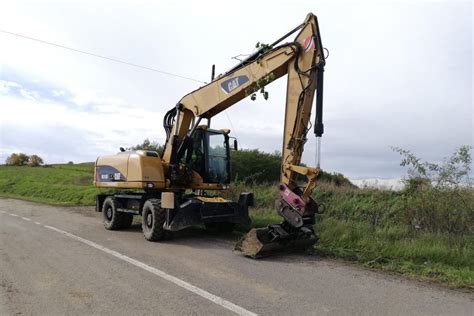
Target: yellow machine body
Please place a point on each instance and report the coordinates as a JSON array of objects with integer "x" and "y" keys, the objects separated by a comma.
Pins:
[{"x": 131, "y": 169}]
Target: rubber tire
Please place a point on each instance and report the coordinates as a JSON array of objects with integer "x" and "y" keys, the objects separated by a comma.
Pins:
[
  {"x": 117, "y": 220},
  {"x": 224, "y": 227},
  {"x": 155, "y": 232}
]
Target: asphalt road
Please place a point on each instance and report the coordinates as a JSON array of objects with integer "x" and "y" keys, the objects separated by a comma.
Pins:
[{"x": 58, "y": 260}]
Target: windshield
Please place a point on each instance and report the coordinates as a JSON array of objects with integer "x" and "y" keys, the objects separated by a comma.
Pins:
[{"x": 218, "y": 159}]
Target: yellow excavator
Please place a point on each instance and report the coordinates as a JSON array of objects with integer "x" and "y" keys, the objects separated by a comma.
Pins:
[{"x": 180, "y": 189}]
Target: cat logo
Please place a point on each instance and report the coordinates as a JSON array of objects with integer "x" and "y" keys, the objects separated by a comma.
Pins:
[{"x": 233, "y": 83}]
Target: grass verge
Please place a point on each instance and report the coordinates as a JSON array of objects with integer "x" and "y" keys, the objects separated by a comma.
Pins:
[
  {"x": 436, "y": 257},
  {"x": 56, "y": 184}
]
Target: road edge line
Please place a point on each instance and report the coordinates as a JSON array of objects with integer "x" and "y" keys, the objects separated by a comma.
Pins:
[{"x": 183, "y": 284}]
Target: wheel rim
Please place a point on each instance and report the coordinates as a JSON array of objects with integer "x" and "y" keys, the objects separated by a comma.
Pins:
[
  {"x": 149, "y": 219},
  {"x": 109, "y": 213}
]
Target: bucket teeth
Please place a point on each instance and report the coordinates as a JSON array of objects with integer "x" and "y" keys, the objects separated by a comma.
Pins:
[{"x": 263, "y": 242}]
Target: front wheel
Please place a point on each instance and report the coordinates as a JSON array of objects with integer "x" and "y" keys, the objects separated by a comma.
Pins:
[{"x": 153, "y": 219}]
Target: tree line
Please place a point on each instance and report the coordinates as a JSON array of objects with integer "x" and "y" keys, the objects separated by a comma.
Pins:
[{"x": 21, "y": 159}]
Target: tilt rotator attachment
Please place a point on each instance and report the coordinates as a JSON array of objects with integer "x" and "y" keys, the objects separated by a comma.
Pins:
[{"x": 296, "y": 231}]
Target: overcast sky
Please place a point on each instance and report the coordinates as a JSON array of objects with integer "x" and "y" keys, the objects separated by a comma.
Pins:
[{"x": 398, "y": 74}]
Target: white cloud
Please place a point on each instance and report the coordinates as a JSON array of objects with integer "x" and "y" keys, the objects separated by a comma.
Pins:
[
  {"x": 5, "y": 86},
  {"x": 100, "y": 131},
  {"x": 58, "y": 93},
  {"x": 31, "y": 95}
]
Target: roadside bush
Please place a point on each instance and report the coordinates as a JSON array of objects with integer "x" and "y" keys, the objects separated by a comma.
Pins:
[
  {"x": 452, "y": 172},
  {"x": 255, "y": 166},
  {"x": 439, "y": 197}
]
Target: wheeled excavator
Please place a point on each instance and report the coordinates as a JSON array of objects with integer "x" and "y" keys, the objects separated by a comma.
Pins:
[{"x": 180, "y": 188}]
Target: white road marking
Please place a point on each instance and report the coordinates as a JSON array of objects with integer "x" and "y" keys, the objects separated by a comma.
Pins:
[
  {"x": 13, "y": 215},
  {"x": 26, "y": 218},
  {"x": 37, "y": 223},
  {"x": 3, "y": 212},
  {"x": 185, "y": 285}
]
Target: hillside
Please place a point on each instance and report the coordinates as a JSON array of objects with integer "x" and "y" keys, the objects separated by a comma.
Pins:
[{"x": 64, "y": 184}]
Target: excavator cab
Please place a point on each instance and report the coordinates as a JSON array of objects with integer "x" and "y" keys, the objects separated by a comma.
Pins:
[{"x": 209, "y": 155}]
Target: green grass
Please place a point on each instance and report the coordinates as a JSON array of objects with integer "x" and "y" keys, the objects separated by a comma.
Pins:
[
  {"x": 56, "y": 184},
  {"x": 437, "y": 257},
  {"x": 443, "y": 257},
  {"x": 427, "y": 234}
]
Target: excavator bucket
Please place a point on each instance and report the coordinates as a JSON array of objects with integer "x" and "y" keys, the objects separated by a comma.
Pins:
[{"x": 264, "y": 242}]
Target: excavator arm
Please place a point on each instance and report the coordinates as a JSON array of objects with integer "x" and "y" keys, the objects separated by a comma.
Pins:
[{"x": 303, "y": 61}]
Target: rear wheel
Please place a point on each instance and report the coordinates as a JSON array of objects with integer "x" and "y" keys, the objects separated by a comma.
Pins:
[
  {"x": 114, "y": 220},
  {"x": 153, "y": 219}
]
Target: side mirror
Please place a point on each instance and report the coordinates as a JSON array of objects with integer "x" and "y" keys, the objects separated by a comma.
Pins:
[{"x": 236, "y": 146}]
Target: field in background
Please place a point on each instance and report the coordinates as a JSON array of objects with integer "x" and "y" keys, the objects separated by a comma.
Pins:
[
  {"x": 63, "y": 184},
  {"x": 423, "y": 233}
]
